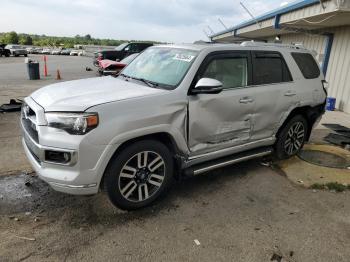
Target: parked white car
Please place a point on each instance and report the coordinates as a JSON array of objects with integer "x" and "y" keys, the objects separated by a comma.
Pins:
[
  {"x": 76, "y": 52},
  {"x": 17, "y": 50},
  {"x": 46, "y": 51},
  {"x": 56, "y": 52},
  {"x": 174, "y": 109}
]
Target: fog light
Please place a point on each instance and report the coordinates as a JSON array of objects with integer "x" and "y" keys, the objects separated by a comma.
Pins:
[{"x": 57, "y": 157}]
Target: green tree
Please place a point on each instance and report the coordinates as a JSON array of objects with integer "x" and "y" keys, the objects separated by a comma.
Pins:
[
  {"x": 26, "y": 40},
  {"x": 11, "y": 38}
]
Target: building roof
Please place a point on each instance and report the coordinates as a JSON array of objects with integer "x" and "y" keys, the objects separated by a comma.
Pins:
[{"x": 279, "y": 11}]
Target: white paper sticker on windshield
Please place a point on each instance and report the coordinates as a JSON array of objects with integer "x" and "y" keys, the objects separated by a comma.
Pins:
[{"x": 183, "y": 57}]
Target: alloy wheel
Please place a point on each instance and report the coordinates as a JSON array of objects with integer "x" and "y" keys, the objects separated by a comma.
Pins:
[
  {"x": 142, "y": 176},
  {"x": 295, "y": 138}
]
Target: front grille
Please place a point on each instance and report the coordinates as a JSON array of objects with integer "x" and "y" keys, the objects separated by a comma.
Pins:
[{"x": 28, "y": 118}]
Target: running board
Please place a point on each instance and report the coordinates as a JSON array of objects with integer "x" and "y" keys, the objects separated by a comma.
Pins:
[{"x": 229, "y": 160}]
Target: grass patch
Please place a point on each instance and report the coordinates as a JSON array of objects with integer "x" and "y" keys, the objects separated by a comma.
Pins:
[{"x": 331, "y": 186}]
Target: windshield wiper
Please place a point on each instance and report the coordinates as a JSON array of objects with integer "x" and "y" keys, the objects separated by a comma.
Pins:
[{"x": 147, "y": 82}]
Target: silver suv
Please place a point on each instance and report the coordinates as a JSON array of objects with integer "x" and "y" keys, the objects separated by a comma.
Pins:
[{"x": 173, "y": 110}]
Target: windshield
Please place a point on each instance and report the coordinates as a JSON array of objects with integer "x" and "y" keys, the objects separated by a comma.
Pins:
[
  {"x": 127, "y": 60},
  {"x": 121, "y": 47},
  {"x": 164, "y": 66}
]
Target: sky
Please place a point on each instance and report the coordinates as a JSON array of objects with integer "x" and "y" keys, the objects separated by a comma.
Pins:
[{"x": 176, "y": 21}]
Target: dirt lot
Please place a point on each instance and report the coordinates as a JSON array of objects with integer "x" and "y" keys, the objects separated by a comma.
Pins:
[{"x": 246, "y": 212}]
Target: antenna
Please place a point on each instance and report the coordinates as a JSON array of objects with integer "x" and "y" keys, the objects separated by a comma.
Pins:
[
  {"x": 222, "y": 23},
  {"x": 206, "y": 34},
  {"x": 211, "y": 30},
  {"x": 251, "y": 15}
]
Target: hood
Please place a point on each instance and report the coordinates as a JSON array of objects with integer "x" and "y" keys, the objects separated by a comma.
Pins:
[
  {"x": 107, "y": 63},
  {"x": 79, "y": 95}
]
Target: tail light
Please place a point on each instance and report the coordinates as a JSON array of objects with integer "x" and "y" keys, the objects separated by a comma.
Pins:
[{"x": 99, "y": 56}]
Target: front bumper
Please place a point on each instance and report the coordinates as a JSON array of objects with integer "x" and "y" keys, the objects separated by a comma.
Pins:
[
  {"x": 54, "y": 175},
  {"x": 82, "y": 174}
]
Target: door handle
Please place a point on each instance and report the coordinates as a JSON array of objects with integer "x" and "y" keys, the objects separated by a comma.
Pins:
[
  {"x": 246, "y": 100},
  {"x": 290, "y": 93}
]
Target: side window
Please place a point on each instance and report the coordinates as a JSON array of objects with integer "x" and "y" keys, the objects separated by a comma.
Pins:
[
  {"x": 231, "y": 71},
  {"x": 134, "y": 48},
  {"x": 307, "y": 65},
  {"x": 269, "y": 68}
]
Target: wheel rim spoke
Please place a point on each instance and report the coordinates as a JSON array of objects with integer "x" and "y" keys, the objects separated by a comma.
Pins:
[
  {"x": 128, "y": 172},
  {"x": 128, "y": 189},
  {"x": 155, "y": 164},
  {"x": 143, "y": 192},
  {"x": 153, "y": 180},
  {"x": 142, "y": 159}
]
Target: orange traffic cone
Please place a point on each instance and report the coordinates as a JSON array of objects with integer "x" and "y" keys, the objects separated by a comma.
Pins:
[{"x": 58, "y": 75}]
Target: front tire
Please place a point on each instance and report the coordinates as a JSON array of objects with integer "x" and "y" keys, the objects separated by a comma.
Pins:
[
  {"x": 139, "y": 174},
  {"x": 291, "y": 137}
]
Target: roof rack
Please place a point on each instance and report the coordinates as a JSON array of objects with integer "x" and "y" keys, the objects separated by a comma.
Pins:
[{"x": 253, "y": 43}]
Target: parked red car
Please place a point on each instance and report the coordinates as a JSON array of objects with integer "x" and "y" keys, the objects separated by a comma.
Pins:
[{"x": 110, "y": 67}]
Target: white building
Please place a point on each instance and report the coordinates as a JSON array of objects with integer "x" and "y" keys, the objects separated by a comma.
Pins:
[{"x": 319, "y": 25}]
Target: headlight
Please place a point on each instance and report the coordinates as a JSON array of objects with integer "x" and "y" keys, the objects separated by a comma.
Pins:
[{"x": 73, "y": 123}]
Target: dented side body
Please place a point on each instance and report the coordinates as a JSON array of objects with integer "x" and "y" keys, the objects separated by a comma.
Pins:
[{"x": 202, "y": 127}]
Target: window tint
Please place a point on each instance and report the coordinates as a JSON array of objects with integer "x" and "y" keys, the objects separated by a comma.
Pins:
[
  {"x": 232, "y": 72},
  {"x": 134, "y": 48},
  {"x": 307, "y": 65},
  {"x": 269, "y": 68}
]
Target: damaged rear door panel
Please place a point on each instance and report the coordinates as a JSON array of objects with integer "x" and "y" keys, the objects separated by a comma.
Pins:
[
  {"x": 222, "y": 120},
  {"x": 273, "y": 90}
]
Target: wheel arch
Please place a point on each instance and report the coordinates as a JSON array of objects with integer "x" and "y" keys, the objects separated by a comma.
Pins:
[
  {"x": 308, "y": 112},
  {"x": 166, "y": 138}
]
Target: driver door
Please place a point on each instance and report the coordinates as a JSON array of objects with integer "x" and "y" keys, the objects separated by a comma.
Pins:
[{"x": 222, "y": 120}]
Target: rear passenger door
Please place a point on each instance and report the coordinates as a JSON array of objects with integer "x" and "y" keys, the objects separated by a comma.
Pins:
[{"x": 273, "y": 92}]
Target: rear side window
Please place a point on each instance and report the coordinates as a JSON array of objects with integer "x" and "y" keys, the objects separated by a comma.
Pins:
[
  {"x": 307, "y": 65},
  {"x": 269, "y": 68}
]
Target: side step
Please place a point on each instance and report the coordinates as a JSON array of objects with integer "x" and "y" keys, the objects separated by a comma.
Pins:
[{"x": 228, "y": 160}]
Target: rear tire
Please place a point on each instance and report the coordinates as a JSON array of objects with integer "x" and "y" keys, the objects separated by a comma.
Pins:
[
  {"x": 291, "y": 138},
  {"x": 139, "y": 174}
]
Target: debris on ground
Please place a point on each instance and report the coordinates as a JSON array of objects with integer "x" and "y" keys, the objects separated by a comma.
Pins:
[
  {"x": 27, "y": 182},
  {"x": 88, "y": 69},
  {"x": 197, "y": 242},
  {"x": 342, "y": 136},
  {"x": 13, "y": 106},
  {"x": 337, "y": 139},
  {"x": 26, "y": 238},
  {"x": 276, "y": 257}
]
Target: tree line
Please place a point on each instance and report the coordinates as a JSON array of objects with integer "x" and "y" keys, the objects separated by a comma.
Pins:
[{"x": 68, "y": 42}]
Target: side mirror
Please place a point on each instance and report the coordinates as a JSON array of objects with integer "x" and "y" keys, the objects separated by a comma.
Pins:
[{"x": 207, "y": 86}]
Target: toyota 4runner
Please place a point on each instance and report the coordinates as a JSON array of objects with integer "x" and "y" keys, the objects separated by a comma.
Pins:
[{"x": 173, "y": 110}]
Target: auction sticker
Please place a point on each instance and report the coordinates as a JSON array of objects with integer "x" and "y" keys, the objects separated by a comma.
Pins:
[{"x": 183, "y": 57}]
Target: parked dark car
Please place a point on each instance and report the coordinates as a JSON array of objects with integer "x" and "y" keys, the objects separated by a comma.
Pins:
[
  {"x": 120, "y": 52},
  {"x": 110, "y": 67},
  {"x": 4, "y": 51}
]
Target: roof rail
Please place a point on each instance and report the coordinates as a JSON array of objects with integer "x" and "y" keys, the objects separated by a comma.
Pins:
[{"x": 252, "y": 43}]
